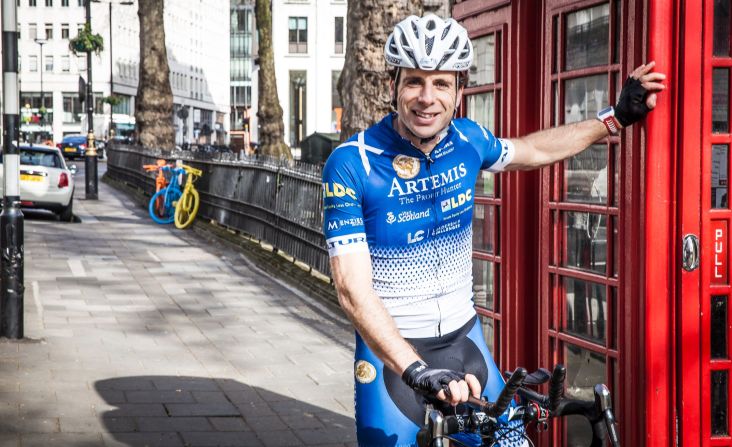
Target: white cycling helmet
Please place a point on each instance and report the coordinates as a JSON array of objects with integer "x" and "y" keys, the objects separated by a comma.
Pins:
[{"x": 429, "y": 43}]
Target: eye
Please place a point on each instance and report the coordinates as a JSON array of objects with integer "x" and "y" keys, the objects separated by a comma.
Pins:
[
  {"x": 413, "y": 82},
  {"x": 442, "y": 84}
]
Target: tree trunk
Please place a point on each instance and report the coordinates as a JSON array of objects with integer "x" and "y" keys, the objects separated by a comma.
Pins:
[
  {"x": 269, "y": 113},
  {"x": 364, "y": 81},
  {"x": 154, "y": 101}
]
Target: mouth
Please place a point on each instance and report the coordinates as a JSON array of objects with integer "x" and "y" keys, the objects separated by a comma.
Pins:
[{"x": 424, "y": 115}]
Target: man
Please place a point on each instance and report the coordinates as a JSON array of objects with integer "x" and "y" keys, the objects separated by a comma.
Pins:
[{"x": 397, "y": 219}]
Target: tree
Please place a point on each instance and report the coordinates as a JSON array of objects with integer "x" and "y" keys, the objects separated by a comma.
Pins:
[
  {"x": 269, "y": 113},
  {"x": 154, "y": 101},
  {"x": 364, "y": 81}
]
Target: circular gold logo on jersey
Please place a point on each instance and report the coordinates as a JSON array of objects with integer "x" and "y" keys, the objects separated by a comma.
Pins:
[
  {"x": 406, "y": 167},
  {"x": 365, "y": 371}
]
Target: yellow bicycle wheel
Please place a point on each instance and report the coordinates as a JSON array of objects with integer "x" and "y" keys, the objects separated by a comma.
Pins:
[{"x": 186, "y": 208}]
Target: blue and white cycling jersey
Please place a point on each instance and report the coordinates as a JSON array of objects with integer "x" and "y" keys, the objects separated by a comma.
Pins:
[{"x": 413, "y": 213}]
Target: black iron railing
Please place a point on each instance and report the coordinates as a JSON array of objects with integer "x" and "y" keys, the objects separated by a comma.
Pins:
[{"x": 271, "y": 200}]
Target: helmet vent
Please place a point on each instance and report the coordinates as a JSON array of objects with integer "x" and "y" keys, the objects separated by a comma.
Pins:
[
  {"x": 454, "y": 44},
  {"x": 404, "y": 41},
  {"x": 415, "y": 29},
  {"x": 431, "y": 25},
  {"x": 445, "y": 31},
  {"x": 428, "y": 45}
]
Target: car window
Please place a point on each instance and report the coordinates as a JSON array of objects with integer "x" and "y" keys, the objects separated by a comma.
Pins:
[{"x": 38, "y": 158}]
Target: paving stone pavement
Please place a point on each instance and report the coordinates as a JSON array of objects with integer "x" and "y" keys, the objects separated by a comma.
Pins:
[{"x": 138, "y": 334}]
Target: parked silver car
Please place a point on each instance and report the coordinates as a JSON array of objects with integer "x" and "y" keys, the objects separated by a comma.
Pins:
[{"x": 45, "y": 180}]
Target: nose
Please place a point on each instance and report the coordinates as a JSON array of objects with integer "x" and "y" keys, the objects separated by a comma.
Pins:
[{"x": 427, "y": 94}]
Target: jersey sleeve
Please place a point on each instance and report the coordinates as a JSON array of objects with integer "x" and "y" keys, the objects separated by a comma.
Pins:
[
  {"x": 495, "y": 153},
  {"x": 343, "y": 186}
]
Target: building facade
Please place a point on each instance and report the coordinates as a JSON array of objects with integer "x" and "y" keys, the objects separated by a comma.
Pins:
[
  {"x": 197, "y": 40},
  {"x": 242, "y": 49},
  {"x": 309, "y": 42}
]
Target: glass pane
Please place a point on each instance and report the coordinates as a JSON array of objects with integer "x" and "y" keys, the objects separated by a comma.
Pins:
[
  {"x": 720, "y": 100},
  {"x": 585, "y": 176},
  {"x": 721, "y": 28},
  {"x": 555, "y": 101},
  {"x": 586, "y": 308},
  {"x": 587, "y": 34},
  {"x": 486, "y": 184},
  {"x": 489, "y": 333},
  {"x": 616, "y": 179},
  {"x": 585, "y": 369},
  {"x": 616, "y": 43},
  {"x": 720, "y": 380},
  {"x": 615, "y": 321},
  {"x": 484, "y": 225},
  {"x": 484, "y": 274},
  {"x": 583, "y": 97},
  {"x": 616, "y": 247},
  {"x": 719, "y": 327},
  {"x": 720, "y": 154},
  {"x": 481, "y": 109},
  {"x": 483, "y": 70},
  {"x": 586, "y": 236}
]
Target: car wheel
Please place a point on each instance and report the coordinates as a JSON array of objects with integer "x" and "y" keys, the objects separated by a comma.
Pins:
[{"x": 67, "y": 213}]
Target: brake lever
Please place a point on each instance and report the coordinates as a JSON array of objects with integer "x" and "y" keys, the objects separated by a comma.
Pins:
[{"x": 604, "y": 404}]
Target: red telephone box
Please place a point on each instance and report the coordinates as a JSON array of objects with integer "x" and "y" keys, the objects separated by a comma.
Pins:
[{"x": 614, "y": 262}]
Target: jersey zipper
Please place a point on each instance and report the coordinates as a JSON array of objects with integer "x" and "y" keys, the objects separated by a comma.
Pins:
[{"x": 429, "y": 162}]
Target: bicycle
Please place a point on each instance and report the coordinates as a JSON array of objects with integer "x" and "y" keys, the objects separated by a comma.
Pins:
[
  {"x": 486, "y": 424},
  {"x": 161, "y": 182},
  {"x": 187, "y": 206},
  {"x": 162, "y": 203}
]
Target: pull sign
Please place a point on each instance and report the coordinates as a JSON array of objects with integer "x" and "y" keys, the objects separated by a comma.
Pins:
[
  {"x": 690, "y": 253},
  {"x": 719, "y": 251}
]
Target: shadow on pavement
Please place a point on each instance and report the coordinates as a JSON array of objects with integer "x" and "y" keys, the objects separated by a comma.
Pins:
[{"x": 197, "y": 411}]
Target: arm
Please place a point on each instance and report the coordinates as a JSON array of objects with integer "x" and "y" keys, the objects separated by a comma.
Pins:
[
  {"x": 352, "y": 275},
  {"x": 551, "y": 145}
]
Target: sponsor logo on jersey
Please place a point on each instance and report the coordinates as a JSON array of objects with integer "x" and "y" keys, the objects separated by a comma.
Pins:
[
  {"x": 335, "y": 224},
  {"x": 406, "y": 167},
  {"x": 390, "y": 219},
  {"x": 408, "y": 216},
  {"x": 337, "y": 190},
  {"x": 456, "y": 201},
  {"x": 413, "y": 238},
  {"x": 428, "y": 183},
  {"x": 348, "y": 240},
  {"x": 364, "y": 371}
]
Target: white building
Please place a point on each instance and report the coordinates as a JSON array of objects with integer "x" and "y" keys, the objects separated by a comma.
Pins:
[
  {"x": 197, "y": 40},
  {"x": 308, "y": 38}
]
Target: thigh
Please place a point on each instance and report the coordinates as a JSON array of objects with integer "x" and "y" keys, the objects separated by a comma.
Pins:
[{"x": 379, "y": 422}]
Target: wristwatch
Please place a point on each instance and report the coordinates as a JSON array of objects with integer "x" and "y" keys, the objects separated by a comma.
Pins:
[{"x": 607, "y": 117}]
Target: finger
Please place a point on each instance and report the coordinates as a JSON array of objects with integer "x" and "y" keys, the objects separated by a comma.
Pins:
[
  {"x": 442, "y": 396},
  {"x": 474, "y": 385},
  {"x": 651, "y": 101},
  {"x": 464, "y": 391},
  {"x": 653, "y": 86},
  {"x": 643, "y": 69},
  {"x": 454, "y": 392}
]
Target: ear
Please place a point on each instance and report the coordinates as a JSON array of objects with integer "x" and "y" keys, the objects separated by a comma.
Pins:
[{"x": 459, "y": 98}]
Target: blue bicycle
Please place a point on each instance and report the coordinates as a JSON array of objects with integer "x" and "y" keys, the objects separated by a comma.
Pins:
[{"x": 162, "y": 203}]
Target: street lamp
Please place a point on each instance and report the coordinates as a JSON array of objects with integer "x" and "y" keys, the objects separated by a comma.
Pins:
[
  {"x": 41, "y": 41},
  {"x": 111, "y": 61}
]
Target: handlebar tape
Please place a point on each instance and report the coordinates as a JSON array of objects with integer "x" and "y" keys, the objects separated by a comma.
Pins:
[
  {"x": 556, "y": 386},
  {"x": 513, "y": 384}
]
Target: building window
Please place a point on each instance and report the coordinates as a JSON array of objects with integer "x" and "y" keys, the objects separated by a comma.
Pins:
[
  {"x": 336, "y": 106},
  {"x": 64, "y": 2},
  {"x": 18, "y": 28},
  {"x": 65, "y": 64},
  {"x": 32, "y": 31},
  {"x": 48, "y": 63},
  {"x": 49, "y": 2},
  {"x": 31, "y": 2},
  {"x": 81, "y": 62},
  {"x": 339, "y": 35},
  {"x": 72, "y": 108},
  {"x": 81, "y": 2},
  {"x": 79, "y": 28},
  {"x": 33, "y": 64},
  {"x": 124, "y": 105},
  {"x": 64, "y": 30},
  {"x": 49, "y": 31},
  {"x": 298, "y": 107},
  {"x": 298, "y": 37}
]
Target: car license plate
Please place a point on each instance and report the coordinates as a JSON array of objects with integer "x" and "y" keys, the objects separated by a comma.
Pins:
[
  {"x": 31, "y": 178},
  {"x": 69, "y": 149}
]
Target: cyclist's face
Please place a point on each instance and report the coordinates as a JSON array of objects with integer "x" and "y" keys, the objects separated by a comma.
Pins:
[{"x": 426, "y": 101}]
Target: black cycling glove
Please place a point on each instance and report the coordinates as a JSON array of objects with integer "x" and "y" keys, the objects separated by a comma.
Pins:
[
  {"x": 429, "y": 381},
  {"x": 631, "y": 106}
]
